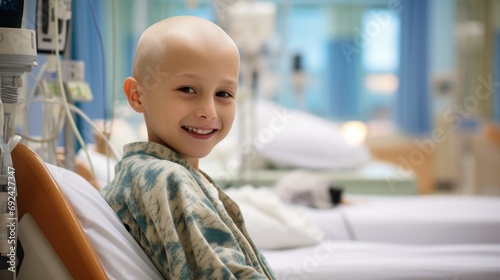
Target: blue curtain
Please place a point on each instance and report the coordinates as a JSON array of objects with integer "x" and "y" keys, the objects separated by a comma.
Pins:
[
  {"x": 412, "y": 100},
  {"x": 85, "y": 45},
  {"x": 344, "y": 69},
  {"x": 343, "y": 81}
]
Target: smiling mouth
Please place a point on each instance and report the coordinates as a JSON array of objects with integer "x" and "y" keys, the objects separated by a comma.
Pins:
[{"x": 199, "y": 131}]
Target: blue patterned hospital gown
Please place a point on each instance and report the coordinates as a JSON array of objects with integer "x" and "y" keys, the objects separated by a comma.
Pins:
[{"x": 186, "y": 231}]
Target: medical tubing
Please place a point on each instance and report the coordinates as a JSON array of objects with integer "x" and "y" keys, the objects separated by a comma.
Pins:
[
  {"x": 46, "y": 127},
  {"x": 82, "y": 114},
  {"x": 40, "y": 140},
  {"x": 51, "y": 137},
  {"x": 113, "y": 80},
  {"x": 31, "y": 94},
  {"x": 114, "y": 60},
  {"x": 101, "y": 44},
  {"x": 89, "y": 121},
  {"x": 63, "y": 94},
  {"x": 38, "y": 79}
]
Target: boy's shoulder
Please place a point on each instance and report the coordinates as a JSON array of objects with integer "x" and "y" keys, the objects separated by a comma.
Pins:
[
  {"x": 140, "y": 158},
  {"x": 150, "y": 151},
  {"x": 150, "y": 163},
  {"x": 146, "y": 172}
]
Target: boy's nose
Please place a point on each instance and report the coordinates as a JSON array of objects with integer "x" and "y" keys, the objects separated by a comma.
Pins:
[{"x": 207, "y": 110}]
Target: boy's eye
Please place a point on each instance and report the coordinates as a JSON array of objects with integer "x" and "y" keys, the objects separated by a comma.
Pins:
[
  {"x": 224, "y": 94},
  {"x": 187, "y": 89}
]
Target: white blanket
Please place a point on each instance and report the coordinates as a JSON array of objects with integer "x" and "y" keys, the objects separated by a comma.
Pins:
[{"x": 271, "y": 223}]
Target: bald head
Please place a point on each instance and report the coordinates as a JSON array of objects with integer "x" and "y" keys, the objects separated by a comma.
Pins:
[{"x": 178, "y": 36}]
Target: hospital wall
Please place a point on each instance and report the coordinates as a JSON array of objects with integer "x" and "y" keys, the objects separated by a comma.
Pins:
[
  {"x": 461, "y": 152},
  {"x": 456, "y": 153}
]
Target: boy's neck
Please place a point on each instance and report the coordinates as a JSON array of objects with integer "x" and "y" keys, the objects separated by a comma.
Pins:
[
  {"x": 194, "y": 162},
  {"x": 191, "y": 161}
]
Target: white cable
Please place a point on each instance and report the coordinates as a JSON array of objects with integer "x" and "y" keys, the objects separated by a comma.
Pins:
[
  {"x": 114, "y": 61},
  {"x": 113, "y": 77},
  {"x": 31, "y": 94},
  {"x": 82, "y": 114},
  {"x": 52, "y": 137},
  {"x": 89, "y": 121},
  {"x": 37, "y": 80},
  {"x": 63, "y": 94},
  {"x": 47, "y": 126},
  {"x": 101, "y": 41},
  {"x": 38, "y": 140}
]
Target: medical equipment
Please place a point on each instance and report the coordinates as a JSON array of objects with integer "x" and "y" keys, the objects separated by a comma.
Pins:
[
  {"x": 11, "y": 13},
  {"x": 298, "y": 81},
  {"x": 251, "y": 25},
  {"x": 48, "y": 16},
  {"x": 53, "y": 19},
  {"x": 76, "y": 89},
  {"x": 17, "y": 56}
]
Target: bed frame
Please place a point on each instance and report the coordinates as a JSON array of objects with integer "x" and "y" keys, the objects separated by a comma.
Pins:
[{"x": 40, "y": 196}]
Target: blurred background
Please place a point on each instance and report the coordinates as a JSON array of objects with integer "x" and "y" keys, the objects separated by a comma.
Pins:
[{"x": 415, "y": 83}]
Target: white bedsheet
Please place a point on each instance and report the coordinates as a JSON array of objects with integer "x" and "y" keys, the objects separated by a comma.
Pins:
[
  {"x": 373, "y": 261},
  {"x": 122, "y": 258},
  {"x": 415, "y": 220},
  {"x": 120, "y": 255}
]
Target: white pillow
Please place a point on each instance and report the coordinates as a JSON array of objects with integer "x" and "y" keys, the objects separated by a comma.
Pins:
[
  {"x": 288, "y": 139},
  {"x": 271, "y": 223},
  {"x": 120, "y": 256},
  {"x": 292, "y": 138},
  {"x": 104, "y": 167}
]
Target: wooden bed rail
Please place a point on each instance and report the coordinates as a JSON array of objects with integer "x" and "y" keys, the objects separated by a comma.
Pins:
[{"x": 39, "y": 195}]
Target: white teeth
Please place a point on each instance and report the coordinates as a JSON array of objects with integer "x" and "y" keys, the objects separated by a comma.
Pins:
[{"x": 199, "y": 131}]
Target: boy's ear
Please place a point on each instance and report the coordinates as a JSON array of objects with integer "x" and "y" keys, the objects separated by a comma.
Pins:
[{"x": 131, "y": 89}]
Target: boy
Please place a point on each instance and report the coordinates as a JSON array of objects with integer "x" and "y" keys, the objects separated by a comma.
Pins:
[{"x": 185, "y": 77}]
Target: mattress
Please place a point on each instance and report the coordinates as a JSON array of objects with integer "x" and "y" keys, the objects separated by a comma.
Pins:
[
  {"x": 421, "y": 220},
  {"x": 373, "y": 261}
]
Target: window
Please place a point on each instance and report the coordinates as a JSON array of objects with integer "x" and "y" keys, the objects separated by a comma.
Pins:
[
  {"x": 380, "y": 64},
  {"x": 313, "y": 34}
]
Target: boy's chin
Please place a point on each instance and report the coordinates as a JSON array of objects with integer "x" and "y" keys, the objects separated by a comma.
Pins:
[{"x": 200, "y": 154}]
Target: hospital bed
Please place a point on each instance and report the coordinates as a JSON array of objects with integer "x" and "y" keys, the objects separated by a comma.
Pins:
[
  {"x": 67, "y": 230},
  {"x": 44, "y": 212},
  {"x": 88, "y": 241},
  {"x": 376, "y": 261},
  {"x": 378, "y": 237},
  {"x": 413, "y": 220},
  {"x": 372, "y": 177}
]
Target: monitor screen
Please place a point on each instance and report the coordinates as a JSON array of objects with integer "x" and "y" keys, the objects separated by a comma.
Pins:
[{"x": 11, "y": 13}]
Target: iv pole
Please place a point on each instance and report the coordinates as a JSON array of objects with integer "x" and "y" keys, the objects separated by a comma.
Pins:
[{"x": 251, "y": 24}]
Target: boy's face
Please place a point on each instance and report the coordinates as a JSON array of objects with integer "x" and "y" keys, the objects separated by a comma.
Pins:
[{"x": 190, "y": 106}]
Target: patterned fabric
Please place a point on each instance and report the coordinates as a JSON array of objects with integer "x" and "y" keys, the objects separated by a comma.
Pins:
[{"x": 175, "y": 218}]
